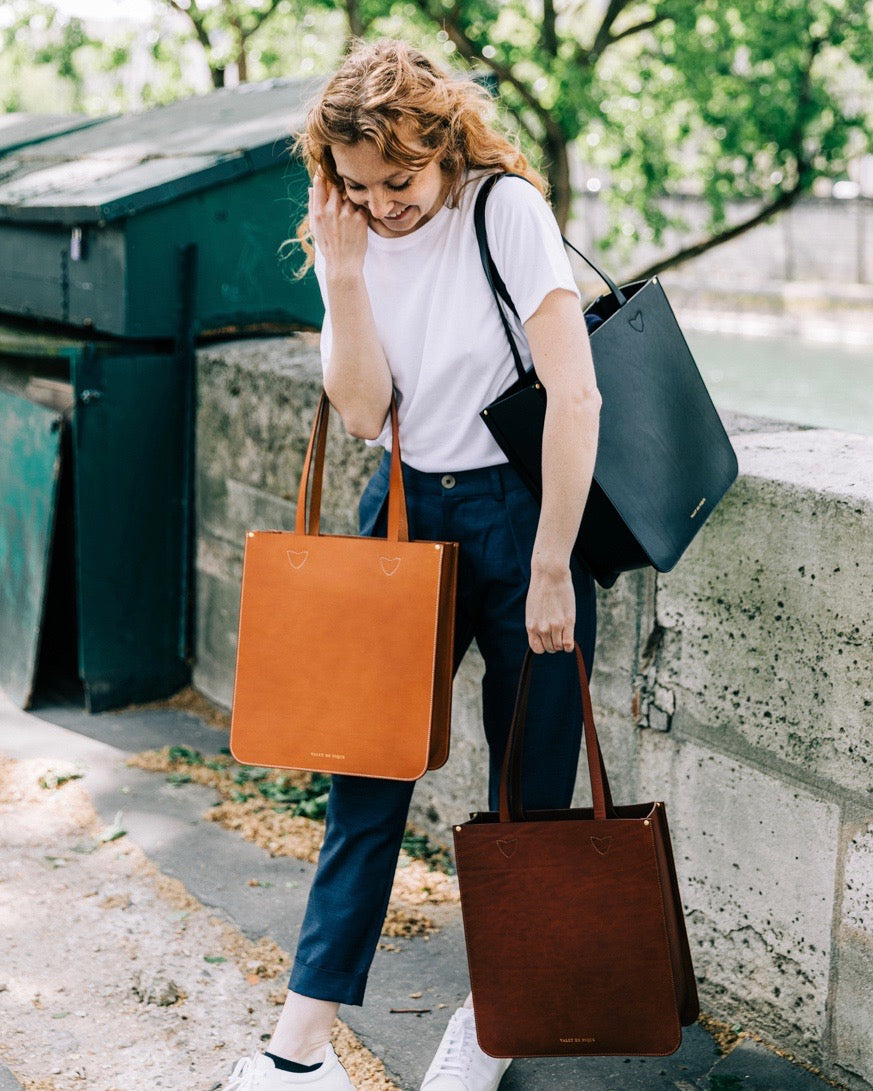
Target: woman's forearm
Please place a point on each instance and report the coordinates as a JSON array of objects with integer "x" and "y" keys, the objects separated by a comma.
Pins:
[
  {"x": 569, "y": 451},
  {"x": 562, "y": 356},
  {"x": 357, "y": 378}
]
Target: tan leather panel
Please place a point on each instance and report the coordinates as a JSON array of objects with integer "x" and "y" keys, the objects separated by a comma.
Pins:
[{"x": 344, "y": 661}]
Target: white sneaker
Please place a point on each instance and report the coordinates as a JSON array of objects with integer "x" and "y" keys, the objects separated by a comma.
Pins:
[
  {"x": 459, "y": 1064},
  {"x": 258, "y": 1073}
]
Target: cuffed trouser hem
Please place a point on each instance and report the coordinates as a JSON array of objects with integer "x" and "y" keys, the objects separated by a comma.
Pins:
[{"x": 332, "y": 985}]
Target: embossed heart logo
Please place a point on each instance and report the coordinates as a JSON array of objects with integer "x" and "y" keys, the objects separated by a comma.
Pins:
[
  {"x": 389, "y": 565},
  {"x": 508, "y": 847},
  {"x": 637, "y": 322},
  {"x": 297, "y": 557},
  {"x": 601, "y": 844}
]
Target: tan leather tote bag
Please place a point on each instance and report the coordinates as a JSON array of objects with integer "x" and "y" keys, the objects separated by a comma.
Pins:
[
  {"x": 575, "y": 935},
  {"x": 344, "y": 662}
]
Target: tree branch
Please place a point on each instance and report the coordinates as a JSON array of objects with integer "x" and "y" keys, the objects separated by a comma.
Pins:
[
  {"x": 242, "y": 60},
  {"x": 785, "y": 200},
  {"x": 195, "y": 16},
  {"x": 604, "y": 32},
  {"x": 469, "y": 50},
  {"x": 260, "y": 14},
  {"x": 646, "y": 24},
  {"x": 357, "y": 24}
]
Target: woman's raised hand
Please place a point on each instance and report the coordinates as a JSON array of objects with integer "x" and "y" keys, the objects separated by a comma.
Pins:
[{"x": 338, "y": 226}]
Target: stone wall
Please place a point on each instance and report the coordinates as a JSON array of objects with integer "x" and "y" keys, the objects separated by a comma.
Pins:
[{"x": 737, "y": 689}]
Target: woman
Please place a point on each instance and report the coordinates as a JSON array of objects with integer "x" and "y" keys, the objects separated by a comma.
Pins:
[{"x": 396, "y": 149}]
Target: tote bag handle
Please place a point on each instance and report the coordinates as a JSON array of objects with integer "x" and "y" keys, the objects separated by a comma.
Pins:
[
  {"x": 495, "y": 281},
  {"x": 308, "y": 519},
  {"x": 511, "y": 809}
]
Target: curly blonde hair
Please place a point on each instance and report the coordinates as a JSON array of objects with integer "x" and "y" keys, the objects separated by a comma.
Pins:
[{"x": 387, "y": 91}]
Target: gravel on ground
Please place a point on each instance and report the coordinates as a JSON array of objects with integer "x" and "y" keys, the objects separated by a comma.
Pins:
[{"x": 113, "y": 977}]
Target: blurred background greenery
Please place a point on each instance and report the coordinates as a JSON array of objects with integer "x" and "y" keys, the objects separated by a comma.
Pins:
[
  {"x": 728, "y": 141},
  {"x": 765, "y": 100}
]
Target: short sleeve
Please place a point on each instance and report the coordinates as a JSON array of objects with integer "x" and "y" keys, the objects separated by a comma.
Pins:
[
  {"x": 326, "y": 328},
  {"x": 526, "y": 245}
]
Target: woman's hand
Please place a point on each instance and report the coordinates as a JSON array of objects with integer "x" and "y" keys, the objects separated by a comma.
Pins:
[
  {"x": 338, "y": 226},
  {"x": 550, "y": 614}
]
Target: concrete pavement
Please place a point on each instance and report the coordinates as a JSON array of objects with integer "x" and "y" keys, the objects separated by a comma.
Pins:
[{"x": 216, "y": 866}]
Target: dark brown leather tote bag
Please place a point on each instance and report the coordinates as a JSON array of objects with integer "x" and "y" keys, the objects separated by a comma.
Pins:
[
  {"x": 575, "y": 935},
  {"x": 345, "y": 653}
]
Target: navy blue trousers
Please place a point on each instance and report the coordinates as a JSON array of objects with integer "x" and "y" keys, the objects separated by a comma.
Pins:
[{"x": 493, "y": 517}]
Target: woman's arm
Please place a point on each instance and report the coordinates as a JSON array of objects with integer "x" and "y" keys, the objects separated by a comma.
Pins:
[
  {"x": 357, "y": 378},
  {"x": 562, "y": 357}
]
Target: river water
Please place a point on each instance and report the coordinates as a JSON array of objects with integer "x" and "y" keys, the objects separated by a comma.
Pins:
[{"x": 801, "y": 381}]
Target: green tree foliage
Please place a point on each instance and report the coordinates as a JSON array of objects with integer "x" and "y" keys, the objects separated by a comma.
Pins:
[
  {"x": 36, "y": 39},
  {"x": 748, "y": 99},
  {"x": 237, "y": 33},
  {"x": 726, "y": 98}
]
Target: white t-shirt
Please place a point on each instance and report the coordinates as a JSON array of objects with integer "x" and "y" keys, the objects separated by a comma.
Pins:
[{"x": 438, "y": 323}]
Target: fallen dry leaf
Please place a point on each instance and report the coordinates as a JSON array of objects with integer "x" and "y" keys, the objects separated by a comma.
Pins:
[{"x": 116, "y": 901}]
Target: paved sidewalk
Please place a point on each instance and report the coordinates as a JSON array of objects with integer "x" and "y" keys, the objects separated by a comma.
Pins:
[{"x": 217, "y": 865}]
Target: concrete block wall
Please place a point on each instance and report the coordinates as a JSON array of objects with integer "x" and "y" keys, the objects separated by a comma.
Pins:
[{"x": 737, "y": 688}]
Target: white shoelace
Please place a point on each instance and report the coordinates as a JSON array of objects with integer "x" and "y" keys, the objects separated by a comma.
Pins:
[
  {"x": 458, "y": 1055},
  {"x": 240, "y": 1078}
]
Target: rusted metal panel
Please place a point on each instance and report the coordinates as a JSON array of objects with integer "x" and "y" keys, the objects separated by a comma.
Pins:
[{"x": 30, "y": 462}]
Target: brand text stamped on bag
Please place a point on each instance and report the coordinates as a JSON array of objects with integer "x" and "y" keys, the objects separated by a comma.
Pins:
[
  {"x": 576, "y": 1041},
  {"x": 325, "y": 754}
]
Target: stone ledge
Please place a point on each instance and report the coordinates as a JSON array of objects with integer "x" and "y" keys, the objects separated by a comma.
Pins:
[{"x": 754, "y": 655}]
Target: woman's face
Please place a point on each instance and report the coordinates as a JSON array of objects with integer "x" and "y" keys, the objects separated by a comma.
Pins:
[{"x": 397, "y": 199}]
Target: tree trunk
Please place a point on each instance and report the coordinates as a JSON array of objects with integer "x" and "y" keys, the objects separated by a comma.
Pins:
[
  {"x": 357, "y": 26},
  {"x": 558, "y": 173}
]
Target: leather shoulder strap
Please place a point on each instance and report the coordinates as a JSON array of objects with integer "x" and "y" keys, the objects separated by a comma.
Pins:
[
  {"x": 495, "y": 281},
  {"x": 491, "y": 270}
]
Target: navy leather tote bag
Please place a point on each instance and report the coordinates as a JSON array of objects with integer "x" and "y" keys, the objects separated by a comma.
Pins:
[{"x": 664, "y": 459}]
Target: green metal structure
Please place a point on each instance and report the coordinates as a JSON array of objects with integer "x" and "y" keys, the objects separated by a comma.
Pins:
[
  {"x": 123, "y": 240},
  {"x": 91, "y": 220},
  {"x": 124, "y": 533}
]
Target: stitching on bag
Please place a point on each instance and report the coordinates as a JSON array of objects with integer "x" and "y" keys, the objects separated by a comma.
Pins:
[
  {"x": 663, "y": 918},
  {"x": 297, "y": 558},
  {"x": 602, "y": 844},
  {"x": 389, "y": 565}
]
